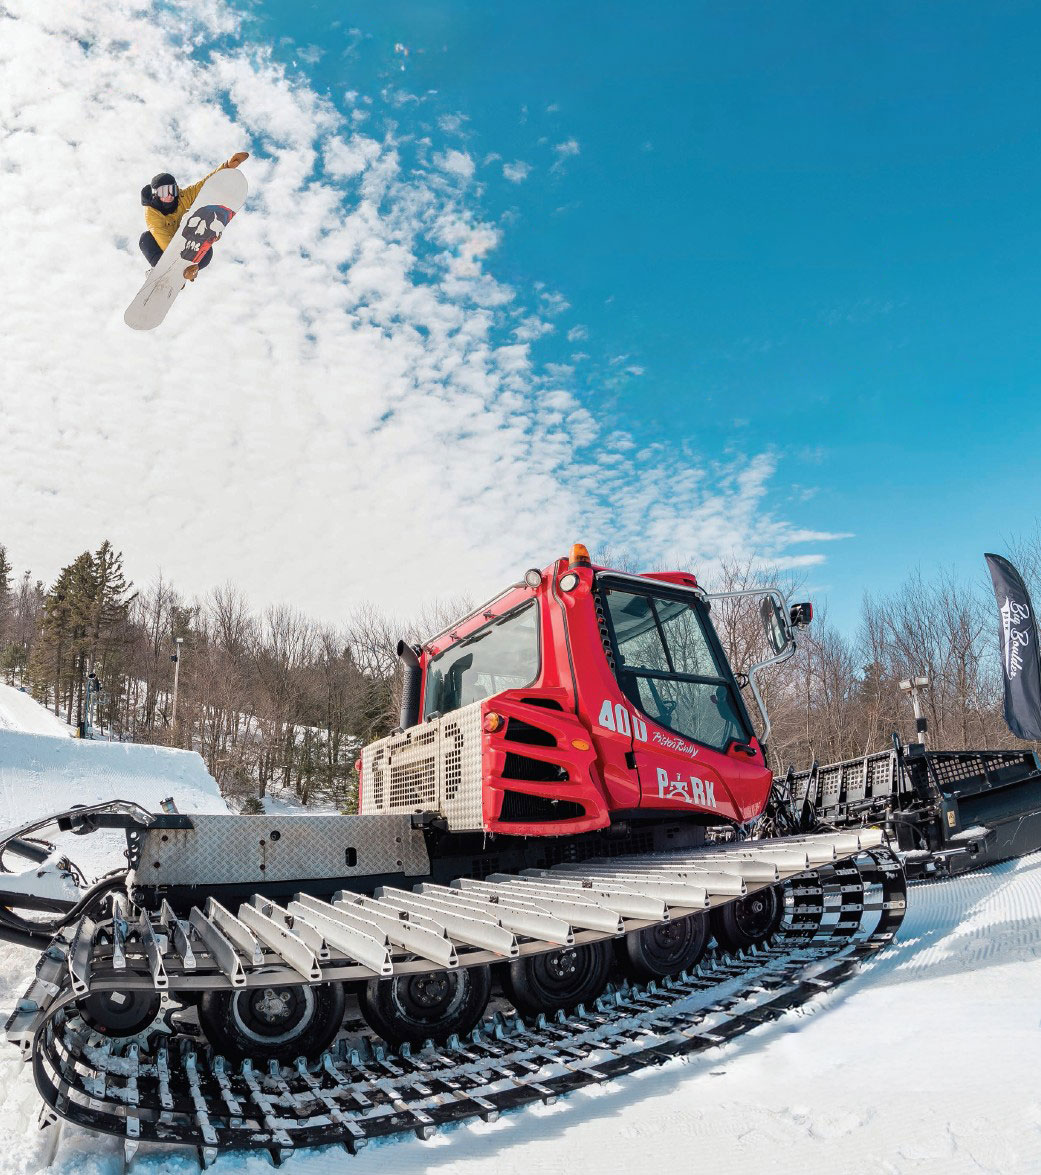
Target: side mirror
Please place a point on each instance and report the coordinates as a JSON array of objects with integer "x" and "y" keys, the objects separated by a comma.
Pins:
[
  {"x": 774, "y": 625},
  {"x": 801, "y": 615}
]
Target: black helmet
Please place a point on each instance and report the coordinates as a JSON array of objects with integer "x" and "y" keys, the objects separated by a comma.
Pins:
[{"x": 161, "y": 193}]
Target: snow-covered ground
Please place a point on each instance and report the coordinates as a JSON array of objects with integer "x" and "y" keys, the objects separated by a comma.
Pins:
[
  {"x": 925, "y": 1063},
  {"x": 41, "y": 774},
  {"x": 18, "y": 711},
  {"x": 42, "y": 771}
]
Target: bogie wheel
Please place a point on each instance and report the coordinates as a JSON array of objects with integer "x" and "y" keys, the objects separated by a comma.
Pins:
[
  {"x": 749, "y": 922},
  {"x": 557, "y": 979},
  {"x": 665, "y": 949},
  {"x": 282, "y": 1021},
  {"x": 118, "y": 1013},
  {"x": 416, "y": 1008}
]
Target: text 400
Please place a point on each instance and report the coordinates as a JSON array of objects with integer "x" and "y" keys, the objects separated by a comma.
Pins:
[{"x": 618, "y": 718}]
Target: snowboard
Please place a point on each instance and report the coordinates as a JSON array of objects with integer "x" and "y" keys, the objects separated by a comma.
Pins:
[{"x": 220, "y": 197}]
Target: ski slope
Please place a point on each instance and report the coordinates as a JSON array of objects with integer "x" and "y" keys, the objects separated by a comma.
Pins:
[
  {"x": 925, "y": 1063},
  {"x": 40, "y": 774},
  {"x": 43, "y": 770},
  {"x": 18, "y": 711}
]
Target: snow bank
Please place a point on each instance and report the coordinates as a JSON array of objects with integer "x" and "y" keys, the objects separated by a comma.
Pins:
[
  {"x": 42, "y": 771},
  {"x": 41, "y": 774},
  {"x": 19, "y": 711}
]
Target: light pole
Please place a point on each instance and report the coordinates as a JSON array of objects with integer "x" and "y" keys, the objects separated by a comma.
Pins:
[
  {"x": 912, "y": 686},
  {"x": 176, "y": 659}
]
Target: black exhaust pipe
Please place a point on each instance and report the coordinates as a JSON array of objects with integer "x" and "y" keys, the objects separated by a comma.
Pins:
[{"x": 411, "y": 684}]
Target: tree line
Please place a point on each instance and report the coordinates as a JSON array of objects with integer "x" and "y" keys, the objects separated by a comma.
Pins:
[{"x": 275, "y": 701}]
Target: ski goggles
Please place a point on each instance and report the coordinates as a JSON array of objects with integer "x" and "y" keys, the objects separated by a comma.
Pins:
[{"x": 165, "y": 193}]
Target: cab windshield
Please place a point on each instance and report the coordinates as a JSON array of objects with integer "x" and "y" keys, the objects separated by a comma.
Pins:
[
  {"x": 501, "y": 655},
  {"x": 669, "y": 664}
]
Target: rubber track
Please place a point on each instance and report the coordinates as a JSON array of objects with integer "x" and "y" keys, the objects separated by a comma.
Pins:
[{"x": 176, "y": 1093}]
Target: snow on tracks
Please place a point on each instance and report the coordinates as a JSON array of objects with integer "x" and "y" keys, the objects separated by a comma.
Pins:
[{"x": 43, "y": 770}]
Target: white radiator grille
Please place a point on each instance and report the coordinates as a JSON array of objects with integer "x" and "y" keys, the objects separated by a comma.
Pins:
[{"x": 435, "y": 767}]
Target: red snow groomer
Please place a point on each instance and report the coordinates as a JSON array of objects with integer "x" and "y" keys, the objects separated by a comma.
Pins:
[
  {"x": 579, "y": 699},
  {"x": 534, "y": 831}
]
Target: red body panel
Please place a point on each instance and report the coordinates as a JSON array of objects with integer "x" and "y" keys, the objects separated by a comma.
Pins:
[{"x": 610, "y": 757}]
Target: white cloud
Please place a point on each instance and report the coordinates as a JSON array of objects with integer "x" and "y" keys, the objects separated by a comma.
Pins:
[
  {"x": 553, "y": 302},
  {"x": 457, "y": 163},
  {"x": 530, "y": 329},
  {"x": 577, "y": 333},
  {"x": 346, "y": 158},
  {"x": 560, "y": 371},
  {"x": 516, "y": 172},
  {"x": 452, "y": 124},
  {"x": 337, "y": 410},
  {"x": 312, "y": 54},
  {"x": 565, "y": 151}
]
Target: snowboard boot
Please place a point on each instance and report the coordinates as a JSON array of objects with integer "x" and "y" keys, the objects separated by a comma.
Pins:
[{"x": 191, "y": 272}]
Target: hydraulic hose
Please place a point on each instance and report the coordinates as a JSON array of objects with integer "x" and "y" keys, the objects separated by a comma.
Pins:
[{"x": 22, "y": 932}]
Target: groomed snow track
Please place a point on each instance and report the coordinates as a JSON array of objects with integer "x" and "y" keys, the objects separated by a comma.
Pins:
[{"x": 171, "y": 1090}]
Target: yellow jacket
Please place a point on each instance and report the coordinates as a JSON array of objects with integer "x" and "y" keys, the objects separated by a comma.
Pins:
[{"x": 163, "y": 227}]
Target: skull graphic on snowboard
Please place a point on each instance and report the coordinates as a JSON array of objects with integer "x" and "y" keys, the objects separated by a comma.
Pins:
[
  {"x": 221, "y": 196},
  {"x": 201, "y": 229}
]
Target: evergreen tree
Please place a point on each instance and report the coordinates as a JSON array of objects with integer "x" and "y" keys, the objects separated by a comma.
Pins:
[
  {"x": 107, "y": 599},
  {"x": 5, "y": 598},
  {"x": 82, "y": 614},
  {"x": 102, "y": 603},
  {"x": 6, "y": 602},
  {"x": 53, "y": 649}
]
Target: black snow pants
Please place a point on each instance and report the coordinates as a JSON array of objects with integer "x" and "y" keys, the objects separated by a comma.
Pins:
[{"x": 150, "y": 248}]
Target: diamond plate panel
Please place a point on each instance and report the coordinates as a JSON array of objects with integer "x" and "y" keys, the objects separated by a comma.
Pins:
[
  {"x": 227, "y": 849},
  {"x": 434, "y": 767}
]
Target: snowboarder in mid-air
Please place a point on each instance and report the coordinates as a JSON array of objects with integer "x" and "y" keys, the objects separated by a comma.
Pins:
[{"x": 165, "y": 205}]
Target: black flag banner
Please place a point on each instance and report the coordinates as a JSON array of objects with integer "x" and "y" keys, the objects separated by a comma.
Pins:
[{"x": 1020, "y": 659}]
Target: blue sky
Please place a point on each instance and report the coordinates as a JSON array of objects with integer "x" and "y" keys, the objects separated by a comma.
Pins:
[
  {"x": 810, "y": 226},
  {"x": 664, "y": 275}
]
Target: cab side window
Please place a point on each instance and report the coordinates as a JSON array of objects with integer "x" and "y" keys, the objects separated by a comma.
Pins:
[{"x": 502, "y": 655}]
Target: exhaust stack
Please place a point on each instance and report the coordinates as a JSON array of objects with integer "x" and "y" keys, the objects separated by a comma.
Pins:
[{"x": 412, "y": 681}]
